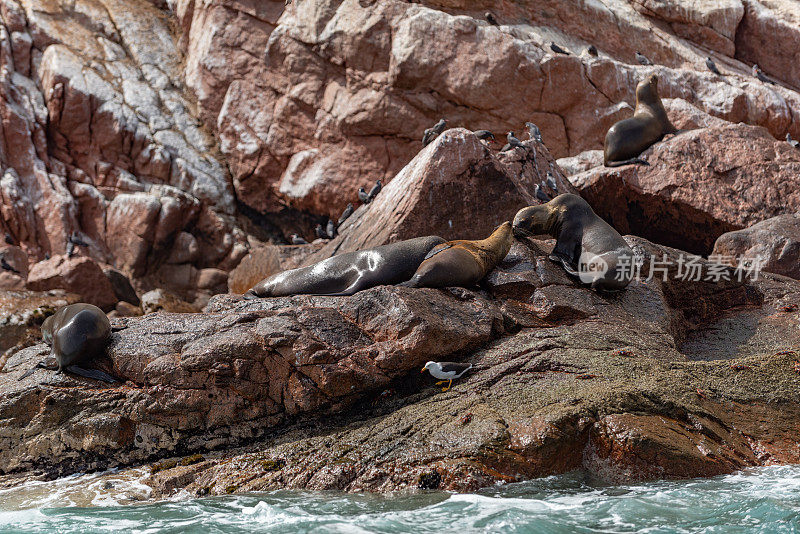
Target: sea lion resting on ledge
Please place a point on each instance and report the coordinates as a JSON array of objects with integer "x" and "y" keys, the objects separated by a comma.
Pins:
[
  {"x": 76, "y": 333},
  {"x": 628, "y": 138},
  {"x": 586, "y": 246},
  {"x": 351, "y": 272},
  {"x": 463, "y": 263}
]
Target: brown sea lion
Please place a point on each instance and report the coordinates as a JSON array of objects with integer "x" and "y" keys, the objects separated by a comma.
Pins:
[
  {"x": 346, "y": 274},
  {"x": 628, "y": 138},
  {"x": 463, "y": 263},
  {"x": 76, "y": 334},
  {"x": 586, "y": 246}
]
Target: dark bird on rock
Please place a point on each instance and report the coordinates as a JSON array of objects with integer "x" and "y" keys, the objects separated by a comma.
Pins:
[
  {"x": 6, "y": 266},
  {"x": 557, "y": 49},
  {"x": 758, "y": 73},
  {"x": 446, "y": 371},
  {"x": 592, "y": 50},
  {"x": 9, "y": 239},
  {"x": 297, "y": 240},
  {"x": 320, "y": 232},
  {"x": 551, "y": 182},
  {"x": 491, "y": 20},
  {"x": 712, "y": 66},
  {"x": 432, "y": 133},
  {"x": 513, "y": 141},
  {"x": 791, "y": 141},
  {"x": 75, "y": 239},
  {"x": 363, "y": 196},
  {"x": 375, "y": 190},
  {"x": 641, "y": 58},
  {"x": 534, "y": 132},
  {"x": 70, "y": 249},
  {"x": 540, "y": 194},
  {"x": 484, "y": 135},
  {"x": 330, "y": 229},
  {"x": 348, "y": 211}
]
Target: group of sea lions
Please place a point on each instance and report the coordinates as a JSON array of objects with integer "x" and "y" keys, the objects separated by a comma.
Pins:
[{"x": 586, "y": 247}]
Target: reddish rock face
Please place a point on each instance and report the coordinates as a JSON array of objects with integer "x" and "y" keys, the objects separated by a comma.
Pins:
[
  {"x": 776, "y": 241},
  {"x": 79, "y": 274},
  {"x": 699, "y": 185}
]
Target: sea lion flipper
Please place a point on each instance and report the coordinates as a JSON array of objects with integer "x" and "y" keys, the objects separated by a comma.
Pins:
[
  {"x": 91, "y": 373},
  {"x": 437, "y": 249},
  {"x": 28, "y": 373},
  {"x": 568, "y": 266},
  {"x": 52, "y": 366},
  {"x": 631, "y": 161}
]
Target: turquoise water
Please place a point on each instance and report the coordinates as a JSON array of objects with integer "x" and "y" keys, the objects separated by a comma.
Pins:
[{"x": 758, "y": 500}]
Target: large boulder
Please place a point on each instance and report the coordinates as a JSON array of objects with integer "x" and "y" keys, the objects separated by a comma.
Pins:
[
  {"x": 77, "y": 274},
  {"x": 774, "y": 244},
  {"x": 697, "y": 186}
]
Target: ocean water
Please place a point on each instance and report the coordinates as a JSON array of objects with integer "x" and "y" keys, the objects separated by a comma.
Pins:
[{"x": 759, "y": 500}]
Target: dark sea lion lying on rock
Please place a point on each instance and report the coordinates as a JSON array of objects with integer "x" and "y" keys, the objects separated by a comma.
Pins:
[
  {"x": 586, "y": 246},
  {"x": 351, "y": 272},
  {"x": 76, "y": 334},
  {"x": 463, "y": 263},
  {"x": 628, "y": 138}
]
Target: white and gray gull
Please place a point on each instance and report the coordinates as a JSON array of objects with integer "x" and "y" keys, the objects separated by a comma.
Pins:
[{"x": 446, "y": 371}]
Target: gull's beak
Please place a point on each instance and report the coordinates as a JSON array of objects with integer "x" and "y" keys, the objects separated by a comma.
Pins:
[{"x": 423, "y": 370}]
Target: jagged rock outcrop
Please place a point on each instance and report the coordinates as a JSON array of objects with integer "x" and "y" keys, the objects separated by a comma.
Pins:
[
  {"x": 698, "y": 185},
  {"x": 775, "y": 241}
]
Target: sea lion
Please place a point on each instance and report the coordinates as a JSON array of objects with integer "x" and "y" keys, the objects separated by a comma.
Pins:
[
  {"x": 351, "y": 272},
  {"x": 628, "y": 138},
  {"x": 463, "y": 263},
  {"x": 586, "y": 246},
  {"x": 76, "y": 333}
]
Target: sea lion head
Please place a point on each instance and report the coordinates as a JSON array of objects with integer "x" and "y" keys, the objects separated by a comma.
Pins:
[
  {"x": 647, "y": 89},
  {"x": 533, "y": 220}
]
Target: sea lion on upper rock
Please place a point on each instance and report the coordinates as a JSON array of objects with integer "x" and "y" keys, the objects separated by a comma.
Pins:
[
  {"x": 463, "y": 263},
  {"x": 76, "y": 333},
  {"x": 628, "y": 138},
  {"x": 586, "y": 246},
  {"x": 351, "y": 272}
]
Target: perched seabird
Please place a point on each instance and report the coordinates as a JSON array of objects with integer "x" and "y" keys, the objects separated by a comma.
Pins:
[
  {"x": 6, "y": 266},
  {"x": 363, "y": 196},
  {"x": 375, "y": 190},
  {"x": 791, "y": 141},
  {"x": 557, "y": 49},
  {"x": 534, "y": 132},
  {"x": 320, "y": 232},
  {"x": 297, "y": 240},
  {"x": 432, "y": 133},
  {"x": 70, "y": 248},
  {"x": 641, "y": 58},
  {"x": 758, "y": 73},
  {"x": 446, "y": 371},
  {"x": 551, "y": 182},
  {"x": 484, "y": 135},
  {"x": 540, "y": 194},
  {"x": 348, "y": 211},
  {"x": 513, "y": 141},
  {"x": 592, "y": 50},
  {"x": 712, "y": 66},
  {"x": 9, "y": 239},
  {"x": 75, "y": 239},
  {"x": 330, "y": 229},
  {"x": 491, "y": 20}
]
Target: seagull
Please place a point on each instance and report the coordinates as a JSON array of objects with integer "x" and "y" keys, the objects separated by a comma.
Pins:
[
  {"x": 551, "y": 182},
  {"x": 363, "y": 196},
  {"x": 791, "y": 141},
  {"x": 484, "y": 135},
  {"x": 70, "y": 248},
  {"x": 320, "y": 232},
  {"x": 592, "y": 50},
  {"x": 75, "y": 239},
  {"x": 432, "y": 133},
  {"x": 557, "y": 49},
  {"x": 297, "y": 240},
  {"x": 641, "y": 58},
  {"x": 375, "y": 190},
  {"x": 446, "y": 371},
  {"x": 758, "y": 73},
  {"x": 513, "y": 141},
  {"x": 348, "y": 211},
  {"x": 712, "y": 66},
  {"x": 534, "y": 132},
  {"x": 491, "y": 20},
  {"x": 330, "y": 229}
]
